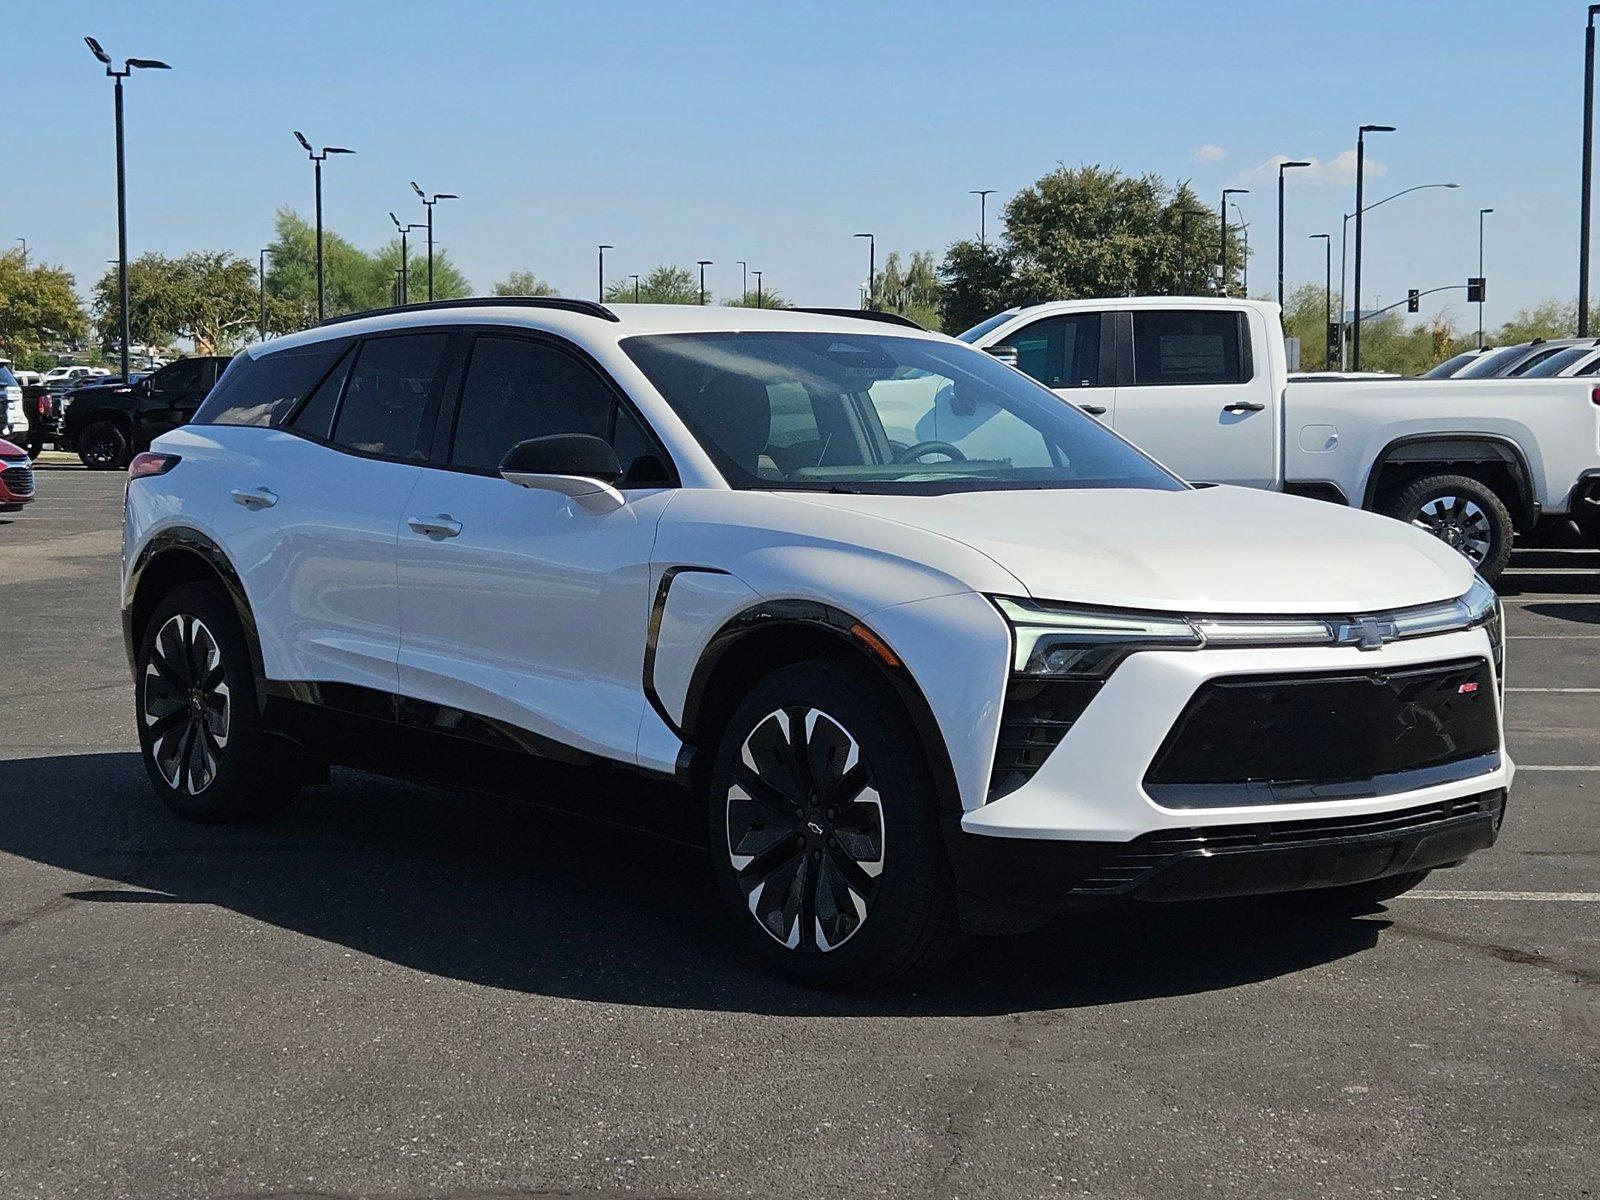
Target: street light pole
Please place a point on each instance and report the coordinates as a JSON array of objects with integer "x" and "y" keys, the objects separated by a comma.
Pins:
[
  {"x": 1482, "y": 212},
  {"x": 872, "y": 267},
  {"x": 1361, "y": 172},
  {"x": 1222, "y": 225},
  {"x": 983, "y": 195},
  {"x": 405, "y": 257},
  {"x": 1344, "y": 232},
  {"x": 703, "y": 263},
  {"x": 316, "y": 161},
  {"x": 129, "y": 65},
  {"x": 1282, "y": 167},
  {"x": 600, "y": 275},
  {"x": 1327, "y": 294},
  {"x": 744, "y": 281},
  {"x": 1588, "y": 172},
  {"x": 261, "y": 276},
  {"x": 428, "y": 204},
  {"x": 24, "y": 242},
  {"x": 759, "y": 303},
  {"x": 635, "y": 279}
]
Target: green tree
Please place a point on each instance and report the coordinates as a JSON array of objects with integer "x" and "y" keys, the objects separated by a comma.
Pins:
[
  {"x": 1550, "y": 319},
  {"x": 912, "y": 290},
  {"x": 769, "y": 298},
  {"x": 524, "y": 283},
  {"x": 38, "y": 307},
  {"x": 207, "y": 296},
  {"x": 1305, "y": 316},
  {"x": 665, "y": 284},
  {"x": 1089, "y": 232}
]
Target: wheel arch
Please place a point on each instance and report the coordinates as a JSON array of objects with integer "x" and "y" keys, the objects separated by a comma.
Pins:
[
  {"x": 777, "y": 633},
  {"x": 1493, "y": 459},
  {"x": 176, "y": 556}
]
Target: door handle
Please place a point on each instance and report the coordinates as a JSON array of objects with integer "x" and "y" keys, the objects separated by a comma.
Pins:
[
  {"x": 1243, "y": 406},
  {"x": 1094, "y": 410},
  {"x": 254, "y": 499},
  {"x": 441, "y": 526}
]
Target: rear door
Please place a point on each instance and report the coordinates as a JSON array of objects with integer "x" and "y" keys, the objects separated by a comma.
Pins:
[
  {"x": 1194, "y": 394},
  {"x": 1072, "y": 355}
]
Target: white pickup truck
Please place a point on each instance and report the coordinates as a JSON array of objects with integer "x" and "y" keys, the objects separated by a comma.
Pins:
[{"x": 1202, "y": 384}]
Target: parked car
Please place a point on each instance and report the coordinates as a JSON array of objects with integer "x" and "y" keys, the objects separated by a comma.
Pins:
[
  {"x": 12, "y": 414},
  {"x": 926, "y": 646},
  {"x": 1570, "y": 363},
  {"x": 107, "y": 423},
  {"x": 1200, "y": 384},
  {"x": 27, "y": 378},
  {"x": 1512, "y": 361},
  {"x": 16, "y": 478},
  {"x": 67, "y": 374}
]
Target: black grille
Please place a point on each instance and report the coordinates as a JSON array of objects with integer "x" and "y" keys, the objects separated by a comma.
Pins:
[
  {"x": 18, "y": 480},
  {"x": 1329, "y": 735},
  {"x": 1036, "y": 717},
  {"x": 1152, "y": 851}
]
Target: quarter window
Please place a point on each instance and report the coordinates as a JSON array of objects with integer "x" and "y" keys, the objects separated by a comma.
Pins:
[
  {"x": 263, "y": 390},
  {"x": 390, "y": 394},
  {"x": 1186, "y": 346}
]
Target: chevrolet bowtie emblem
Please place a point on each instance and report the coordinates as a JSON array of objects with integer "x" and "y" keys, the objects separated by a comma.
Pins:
[{"x": 1366, "y": 633}]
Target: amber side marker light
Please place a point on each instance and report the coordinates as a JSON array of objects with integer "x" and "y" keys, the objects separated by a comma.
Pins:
[{"x": 875, "y": 644}]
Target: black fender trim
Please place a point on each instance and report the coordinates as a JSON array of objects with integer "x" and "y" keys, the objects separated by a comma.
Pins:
[
  {"x": 1447, "y": 448},
  {"x": 181, "y": 539}
]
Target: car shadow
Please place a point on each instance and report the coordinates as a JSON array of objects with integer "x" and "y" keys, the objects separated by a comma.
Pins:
[{"x": 528, "y": 899}]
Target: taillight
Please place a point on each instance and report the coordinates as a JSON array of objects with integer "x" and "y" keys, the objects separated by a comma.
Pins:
[
  {"x": 1594, "y": 395},
  {"x": 150, "y": 463}
]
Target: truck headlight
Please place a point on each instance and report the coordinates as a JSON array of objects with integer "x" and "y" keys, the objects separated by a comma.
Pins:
[{"x": 1056, "y": 641}]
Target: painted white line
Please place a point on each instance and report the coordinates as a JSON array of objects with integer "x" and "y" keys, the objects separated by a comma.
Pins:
[
  {"x": 1553, "y": 637},
  {"x": 1566, "y": 897},
  {"x": 1522, "y": 767},
  {"x": 1552, "y": 571},
  {"x": 1584, "y": 690},
  {"x": 1551, "y": 598}
]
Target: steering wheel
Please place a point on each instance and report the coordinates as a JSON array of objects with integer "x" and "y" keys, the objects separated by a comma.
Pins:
[{"x": 912, "y": 453}]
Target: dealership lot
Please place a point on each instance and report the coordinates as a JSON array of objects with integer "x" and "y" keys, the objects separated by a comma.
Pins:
[{"x": 386, "y": 991}]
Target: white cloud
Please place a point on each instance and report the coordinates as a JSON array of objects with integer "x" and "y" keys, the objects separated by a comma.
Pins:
[
  {"x": 1208, "y": 153},
  {"x": 1340, "y": 169}
]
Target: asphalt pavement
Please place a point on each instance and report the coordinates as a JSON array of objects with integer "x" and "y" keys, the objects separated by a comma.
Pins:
[{"x": 388, "y": 991}]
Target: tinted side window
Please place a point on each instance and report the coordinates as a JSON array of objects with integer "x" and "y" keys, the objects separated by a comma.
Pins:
[
  {"x": 1187, "y": 347},
  {"x": 262, "y": 390},
  {"x": 1060, "y": 352},
  {"x": 518, "y": 389},
  {"x": 315, "y": 418},
  {"x": 389, "y": 393},
  {"x": 180, "y": 379}
]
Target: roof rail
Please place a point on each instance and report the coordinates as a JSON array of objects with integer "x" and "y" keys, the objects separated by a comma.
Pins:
[
  {"x": 863, "y": 314},
  {"x": 588, "y": 308}
]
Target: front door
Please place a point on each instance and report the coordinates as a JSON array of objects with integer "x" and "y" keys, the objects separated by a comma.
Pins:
[
  {"x": 521, "y": 605},
  {"x": 1068, "y": 354}
]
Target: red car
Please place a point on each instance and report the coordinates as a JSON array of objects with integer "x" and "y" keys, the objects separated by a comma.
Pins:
[{"x": 16, "y": 477}]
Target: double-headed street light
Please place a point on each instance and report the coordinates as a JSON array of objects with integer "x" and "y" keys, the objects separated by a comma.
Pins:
[
  {"x": 428, "y": 204},
  {"x": 129, "y": 65},
  {"x": 316, "y": 162},
  {"x": 405, "y": 261},
  {"x": 1222, "y": 225},
  {"x": 1361, "y": 174},
  {"x": 872, "y": 267},
  {"x": 1282, "y": 167},
  {"x": 703, "y": 263}
]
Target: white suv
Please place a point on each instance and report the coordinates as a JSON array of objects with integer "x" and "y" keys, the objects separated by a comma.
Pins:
[{"x": 931, "y": 648}]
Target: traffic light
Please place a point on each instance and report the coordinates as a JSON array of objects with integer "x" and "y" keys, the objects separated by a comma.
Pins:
[
  {"x": 1333, "y": 343},
  {"x": 1413, "y": 300},
  {"x": 1477, "y": 285}
]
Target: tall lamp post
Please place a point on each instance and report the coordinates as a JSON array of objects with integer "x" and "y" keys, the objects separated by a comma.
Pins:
[
  {"x": 1222, "y": 228},
  {"x": 759, "y": 303},
  {"x": 703, "y": 263},
  {"x": 261, "y": 277},
  {"x": 1282, "y": 167},
  {"x": 24, "y": 242},
  {"x": 316, "y": 161},
  {"x": 600, "y": 274},
  {"x": 635, "y": 279},
  {"x": 1482, "y": 213},
  {"x": 1361, "y": 176},
  {"x": 872, "y": 267},
  {"x": 405, "y": 257},
  {"x": 983, "y": 195},
  {"x": 744, "y": 281},
  {"x": 1327, "y": 296},
  {"x": 1588, "y": 172},
  {"x": 129, "y": 65},
  {"x": 428, "y": 204}
]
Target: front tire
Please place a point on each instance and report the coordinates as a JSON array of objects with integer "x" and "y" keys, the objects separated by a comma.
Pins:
[
  {"x": 1462, "y": 512},
  {"x": 825, "y": 840},
  {"x": 103, "y": 447},
  {"x": 200, "y": 731}
]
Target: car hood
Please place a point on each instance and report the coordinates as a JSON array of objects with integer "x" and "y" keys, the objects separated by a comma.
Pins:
[
  {"x": 10, "y": 450},
  {"x": 1209, "y": 550}
]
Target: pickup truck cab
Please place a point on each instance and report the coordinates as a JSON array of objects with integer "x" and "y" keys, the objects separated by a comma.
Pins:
[
  {"x": 108, "y": 424},
  {"x": 1202, "y": 385}
]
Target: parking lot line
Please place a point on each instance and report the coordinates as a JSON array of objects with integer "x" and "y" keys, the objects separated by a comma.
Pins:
[
  {"x": 1563, "y": 897},
  {"x": 1553, "y": 637},
  {"x": 1542, "y": 767},
  {"x": 1571, "y": 689}
]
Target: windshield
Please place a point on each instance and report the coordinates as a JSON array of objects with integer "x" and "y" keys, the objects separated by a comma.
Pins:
[
  {"x": 1494, "y": 363},
  {"x": 982, "y": 327},
  {"x": 7, "y": 379},
  {"x": 1450, "y": 365},
  {"x": 1557, "y": 362},
  {"x": 878, "y": 413}
]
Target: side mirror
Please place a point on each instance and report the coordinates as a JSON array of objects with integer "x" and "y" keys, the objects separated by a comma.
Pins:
[
  {"x": 1006, "y": 354},
  {"x": 575, "y": 464}
]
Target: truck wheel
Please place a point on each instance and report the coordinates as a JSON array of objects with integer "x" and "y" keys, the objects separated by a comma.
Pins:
[
  {"x": 824, "y": 840},
  {"x": 1463, "y": 513},
  {"x": 103, "y": 447}
]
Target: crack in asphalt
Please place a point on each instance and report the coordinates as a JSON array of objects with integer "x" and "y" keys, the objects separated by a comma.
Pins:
[
  {"x": 1584, "y": 977},
  {"x": 56, "y": 904}
]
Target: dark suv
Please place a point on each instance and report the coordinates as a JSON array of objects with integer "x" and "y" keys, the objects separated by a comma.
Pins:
[{"x": 108, "y": 424}]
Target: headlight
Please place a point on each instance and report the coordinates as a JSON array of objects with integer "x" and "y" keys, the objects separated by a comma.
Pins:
[{"x": 1058, "y": 641}]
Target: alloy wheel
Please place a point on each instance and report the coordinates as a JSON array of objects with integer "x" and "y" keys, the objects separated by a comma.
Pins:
[
  {"x": 1460, "y": 523},
  {"x": 187, "y": 705},
  {"x": 100, "y": 450},
  {"x": 805, "y": 830}
]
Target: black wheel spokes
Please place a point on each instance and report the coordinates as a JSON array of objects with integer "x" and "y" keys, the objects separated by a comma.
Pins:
[
  {"x": 187, "y": 704},
  {"x": 805, "y": 830}
]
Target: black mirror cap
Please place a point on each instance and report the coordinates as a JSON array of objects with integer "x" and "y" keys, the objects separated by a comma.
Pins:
[{"x": 579, "y": 454}]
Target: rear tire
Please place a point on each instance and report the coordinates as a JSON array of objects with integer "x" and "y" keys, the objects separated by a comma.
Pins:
[
  {"x": 825, "y": 839},
  {"x": 1462, "y": 512},
  {"x": 200, "y": 730},
  {"x": 103, "y": 447},
  {"x": 1361, "y": 897}
]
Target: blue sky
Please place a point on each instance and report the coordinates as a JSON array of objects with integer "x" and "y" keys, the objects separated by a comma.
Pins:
[{"x": 772, "y": 132}]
